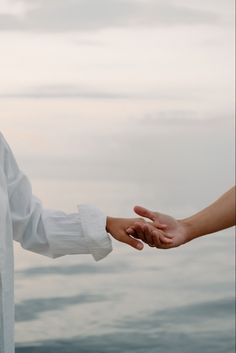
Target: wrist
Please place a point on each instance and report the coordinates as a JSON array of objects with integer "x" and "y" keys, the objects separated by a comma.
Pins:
[
  {"x": 189, "y": 229},
  {"x": 109, "y": 222}
]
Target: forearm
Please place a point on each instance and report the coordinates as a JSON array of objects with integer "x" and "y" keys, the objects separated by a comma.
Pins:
[{"x": 217, "y": 216}]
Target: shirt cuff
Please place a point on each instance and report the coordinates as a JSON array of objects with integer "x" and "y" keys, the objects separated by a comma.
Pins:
[{"x": 93, "y": 223}]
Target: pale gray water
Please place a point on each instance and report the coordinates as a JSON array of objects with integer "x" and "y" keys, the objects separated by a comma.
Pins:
[{"x": 180, "y": 301}]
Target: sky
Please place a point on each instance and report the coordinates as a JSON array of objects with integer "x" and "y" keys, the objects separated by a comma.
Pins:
[
  {"x": 102, "y": 80},
  {"x": 114, "y": 49}
]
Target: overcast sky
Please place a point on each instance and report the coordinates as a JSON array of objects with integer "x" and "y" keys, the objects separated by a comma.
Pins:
[
  {"x": 126, "y": 100},
  {"x": 117, "y": 48},
  {"x": 59, "y": 15},
  {"x": 89, "y": 67}
]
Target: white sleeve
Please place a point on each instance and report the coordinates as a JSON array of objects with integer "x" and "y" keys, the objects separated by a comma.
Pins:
[{"x": 49, "y": 232}]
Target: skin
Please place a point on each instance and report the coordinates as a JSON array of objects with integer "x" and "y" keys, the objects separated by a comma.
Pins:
[
  {"x": 166, "y": 232},
  {"x": 117, "y": 228}
]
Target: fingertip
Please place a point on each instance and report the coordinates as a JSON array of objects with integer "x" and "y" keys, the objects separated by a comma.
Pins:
[
  {"x": 141, "y": 211},
  {"x": 139, "y": 246}
]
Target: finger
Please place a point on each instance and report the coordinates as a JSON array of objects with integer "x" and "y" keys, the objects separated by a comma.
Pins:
[
  {"x": 160, "y": 225},
  {"x": 139, "y": 230},
  {"x": 144, "y": 235},
  {"x": 156, "y": 241},
  {"x": 136, "y": 236},
  {"x": 131, "y": 241},
  {"x": 156, "y": 236},
  {"x": 151, "y": 231},
  {"x": 144, "y": 212},
  {"x": 165, "y": 245},
  {"x": 139, "y": 233},
  {"x": 161, "y": 242},
  {"x": 153, "y": 242},
  {"x": 148, "y": 236},
  {"x": 151, "y": 227},
  {"x": 165, "y": 240},
  {"x": 157, "y": 233},
  {"x": 130, "y": 231}
]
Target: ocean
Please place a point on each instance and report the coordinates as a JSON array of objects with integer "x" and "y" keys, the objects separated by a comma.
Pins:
[
  {"x": 180, "y": 301},
  {"x": 116, "y": 104},
  {"x": 154, "y": 301}
]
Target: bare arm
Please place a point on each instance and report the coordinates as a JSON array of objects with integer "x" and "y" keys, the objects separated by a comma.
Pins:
[
  {"x": 219, "y": 215},
  {"x": 168, "y": 232}
]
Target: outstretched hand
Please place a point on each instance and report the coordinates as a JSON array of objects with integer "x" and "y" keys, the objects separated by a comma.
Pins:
[
  {"x": 117, "y": 227},
  {"x": 163, "y": 232}
]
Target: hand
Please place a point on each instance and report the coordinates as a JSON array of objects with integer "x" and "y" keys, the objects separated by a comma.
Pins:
[
  {"x": 117, "y": 228},
  {"x": 164, "y": 232}
]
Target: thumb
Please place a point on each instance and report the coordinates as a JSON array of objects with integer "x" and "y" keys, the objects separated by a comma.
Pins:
[
  {"x": 144, "y": 212},
  {"x": 153, "y": 216}
]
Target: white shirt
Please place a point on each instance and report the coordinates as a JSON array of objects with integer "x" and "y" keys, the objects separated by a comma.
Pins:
[{"x": 47, "y": 232}]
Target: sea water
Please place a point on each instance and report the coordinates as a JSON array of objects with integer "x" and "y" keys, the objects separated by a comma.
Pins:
[{"x": 154, "y": 301}]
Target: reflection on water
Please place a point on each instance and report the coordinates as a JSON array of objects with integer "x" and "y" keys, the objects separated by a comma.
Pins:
[
  {"x": 70, "y": 270},
  {"x": 189, "y": 329},
  {"x": 177, "y": 301},
  {"x": 29, "y": 309},
  {"x": 206, "y": 342},
  {"x": 180, "y": 301}
]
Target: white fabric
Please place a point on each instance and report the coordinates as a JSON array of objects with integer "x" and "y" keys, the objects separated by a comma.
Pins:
[{"x": 47, "y": 232}]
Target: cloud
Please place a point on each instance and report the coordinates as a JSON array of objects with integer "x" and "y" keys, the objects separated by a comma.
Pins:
[
  {"x": 80, "y": 15},
  {"x": 85, "y": 92},
  {"x": 65, "y": 92},
  {"x": 186, "y": 118}
]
